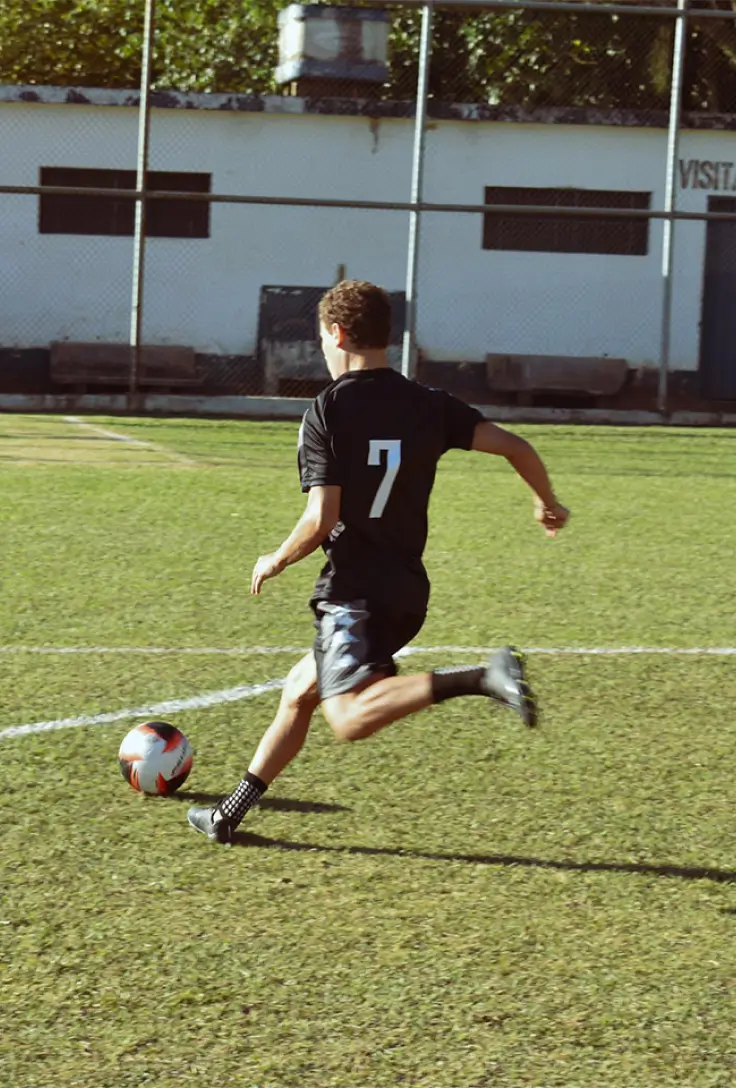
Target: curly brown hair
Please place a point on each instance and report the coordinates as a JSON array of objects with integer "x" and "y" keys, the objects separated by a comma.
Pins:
[{"x": 361, "y": 309}]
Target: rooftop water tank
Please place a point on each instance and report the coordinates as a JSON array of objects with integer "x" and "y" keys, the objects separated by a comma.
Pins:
[{"x": 332, "y": 50}]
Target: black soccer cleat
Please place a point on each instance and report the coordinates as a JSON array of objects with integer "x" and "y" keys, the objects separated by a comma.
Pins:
[
  {"x": 211, "y": 822},
  {"x": 505, "y": 681}
]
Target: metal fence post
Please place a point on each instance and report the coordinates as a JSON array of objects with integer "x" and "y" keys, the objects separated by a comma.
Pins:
[
  {"x": 668, "y": 236},
  {"x": 409, "y": 345},
  {"x": 139, "y": 239}
]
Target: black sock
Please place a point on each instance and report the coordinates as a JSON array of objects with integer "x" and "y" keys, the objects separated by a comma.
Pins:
[
  {"x": 247, "y": 793},
  {"x": 452, "y": 682}
]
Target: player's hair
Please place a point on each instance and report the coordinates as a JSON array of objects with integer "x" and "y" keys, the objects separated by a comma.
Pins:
[{"x": 361, "y": 309}]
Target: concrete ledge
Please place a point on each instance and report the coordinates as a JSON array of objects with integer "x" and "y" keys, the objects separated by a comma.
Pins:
[
  {"x": 288, "y": 408},
  {"x": 611, "y": 416},
  {"x": 157, "y": 404},
  {"x": 362, "y": 107}
]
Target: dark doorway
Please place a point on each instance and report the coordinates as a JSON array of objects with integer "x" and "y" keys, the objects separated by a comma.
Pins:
[{"x": 718, "y": 327}]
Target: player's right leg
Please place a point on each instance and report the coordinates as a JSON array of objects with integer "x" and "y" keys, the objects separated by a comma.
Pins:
[
  {"x": 360, "y": 692},
  {"x": 502, "y": 679},
  {"x": 281, "y": 742},
  {"x": 378, "y": 702}
]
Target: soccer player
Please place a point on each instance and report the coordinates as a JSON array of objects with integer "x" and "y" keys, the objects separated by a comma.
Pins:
[{"x": 368, "y": 452}]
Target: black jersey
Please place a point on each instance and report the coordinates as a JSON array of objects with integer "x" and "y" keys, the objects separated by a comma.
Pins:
[{"x": 379, "y": 437}]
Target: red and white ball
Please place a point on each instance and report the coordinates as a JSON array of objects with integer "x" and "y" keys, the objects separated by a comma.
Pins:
[{"x": 155, "y": 758}]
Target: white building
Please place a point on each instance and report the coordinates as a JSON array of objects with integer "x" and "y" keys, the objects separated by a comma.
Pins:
[{"x": 578, "y": 289}]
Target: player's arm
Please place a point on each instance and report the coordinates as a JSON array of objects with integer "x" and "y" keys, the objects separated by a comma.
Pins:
[
  {"x": 521, "y": 455},
  {"x": 320, "y": 517}
]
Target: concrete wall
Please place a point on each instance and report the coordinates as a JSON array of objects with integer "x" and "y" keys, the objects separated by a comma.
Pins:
[{"x": 205, "y": 292}]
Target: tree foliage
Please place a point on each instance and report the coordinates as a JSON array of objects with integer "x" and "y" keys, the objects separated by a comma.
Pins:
[
  {"x": 201, "y": 45},
  {"x": 524, "y": 58}
]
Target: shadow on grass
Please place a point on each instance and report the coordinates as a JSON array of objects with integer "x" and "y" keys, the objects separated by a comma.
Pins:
[
  {"x": 276, "y": 804},
  {"x": 720, "y": 876}
]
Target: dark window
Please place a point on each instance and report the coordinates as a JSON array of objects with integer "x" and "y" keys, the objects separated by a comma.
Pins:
[
  {"x": 111, "y": 216},
  {"x": 565, "y": 234}
]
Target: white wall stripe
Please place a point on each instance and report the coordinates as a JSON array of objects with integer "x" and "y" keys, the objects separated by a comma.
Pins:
[{"x": 170, "y": 706}]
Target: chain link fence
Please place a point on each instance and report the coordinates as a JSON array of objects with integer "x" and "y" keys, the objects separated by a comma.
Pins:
[
  {"x": 538, "y": 59},
  {"x": 62, "y": 274},
  {"x": 525, "y": 223}
]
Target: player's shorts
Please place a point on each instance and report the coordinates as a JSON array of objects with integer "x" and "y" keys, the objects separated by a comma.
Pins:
[{"x": 354, "y": 643}]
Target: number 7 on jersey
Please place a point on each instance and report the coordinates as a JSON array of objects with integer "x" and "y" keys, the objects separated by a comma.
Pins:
[{"x": 392, "y": 448}]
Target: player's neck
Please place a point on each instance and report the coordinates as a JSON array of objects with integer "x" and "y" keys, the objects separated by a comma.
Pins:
[{"x": 367, "y": 360}]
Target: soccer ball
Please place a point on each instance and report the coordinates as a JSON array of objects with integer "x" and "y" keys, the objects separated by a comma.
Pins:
[{"x": 155, "y": 757}]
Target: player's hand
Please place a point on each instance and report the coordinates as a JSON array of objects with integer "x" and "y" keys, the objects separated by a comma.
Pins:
[
  {"x": 267, "y": 566},
  {"x": 551, "y": 518}
]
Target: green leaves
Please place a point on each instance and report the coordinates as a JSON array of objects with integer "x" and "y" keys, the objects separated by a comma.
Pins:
[
  {"x": 522, "y": 58},
  {"x": 201, "y": 45}
]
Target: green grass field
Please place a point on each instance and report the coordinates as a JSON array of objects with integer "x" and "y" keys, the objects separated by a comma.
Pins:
[{"x": 450, "y": 904}]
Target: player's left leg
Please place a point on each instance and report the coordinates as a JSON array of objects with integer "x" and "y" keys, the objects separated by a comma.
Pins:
[
  {"x": 281, "y": 742},
  {"x": 284, "y": 738}
]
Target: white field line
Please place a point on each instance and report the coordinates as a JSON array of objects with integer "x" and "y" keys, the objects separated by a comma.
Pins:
[
  {"x": 250, "y": 691},
  {"x": 131, "y": 441},
  {"x": 235, "y": 651},
  {"x": 408, "y": 651},
  {"x": 170, "y": 706}
]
